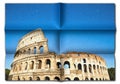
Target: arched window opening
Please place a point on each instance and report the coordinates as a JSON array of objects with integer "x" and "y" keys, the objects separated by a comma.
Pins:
[
  {"x": 57, "y": 79},
  {"x": 39, "y": 64},
  {"x": 97, "y": 66},
  {"x": 90, "y": 68},
  {"x": 48, "y": 63},
  {"x": 29, "y": 51},
  {"x": 37, "y": 78},
  {"x": 47, "y": 78},
  {"x": 94, "y": 67},
  {"x": 96, "y": 78},
  {"x": 41, "y": 49},
  {"x": 91, "y": 79},
  {"x": 100, "y": 79},
  {"x": 66, "y": 64},
  {"x": 58, "y": 64},
  {"x": 26, "y": 65},
  {"x": 67, "y": 79},
  {"x": 18, "y": 78},
  {"x": 79, "y": 67},
  {"x": 86, "y": 78},
  {"x": 32, "y": 65},
  {"x": 85, "y": 68},
  {"x": 24, "y": 52},
  {"x": 30, "y": 78},
  {"x": 34, "y": 50},
  {"x": 84, "y": 60},
  {"x": 76, "y": 79}
]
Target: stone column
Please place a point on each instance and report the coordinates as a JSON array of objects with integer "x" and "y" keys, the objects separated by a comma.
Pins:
[
  {"x": 92, "y": 69},
  {"x": 37, "y": 50},
  {"x": 43, "y": 64},
  {"x": 45, "y": 46}
]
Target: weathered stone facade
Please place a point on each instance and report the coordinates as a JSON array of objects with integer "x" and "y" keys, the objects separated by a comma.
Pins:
[{"x": 33, "y": 61}]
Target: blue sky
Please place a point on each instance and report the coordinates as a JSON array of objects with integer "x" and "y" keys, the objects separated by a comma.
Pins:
[{"x": 68, "y": 27}]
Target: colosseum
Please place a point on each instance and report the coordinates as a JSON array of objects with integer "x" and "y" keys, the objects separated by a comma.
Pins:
[{"x": 33, "y": 61}]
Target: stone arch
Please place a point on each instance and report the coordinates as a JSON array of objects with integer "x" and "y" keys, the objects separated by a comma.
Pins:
[
  {"x": 67, "y": 79},
  {"x": 32, "y": 65},
  {"x": 47, "y": 78},
  {"x": 66, "y": 64},
  {"x": 29, "y": 51},
  {"x": 41, "y": 48},
  {"x": 85, "y": 68},
  {"x": 94, "y": 67},
  {"x": 96, "y": 78},
  {"x": 76, "y": 79},
  {"x": 84, "y": 60},
  {"x": 79, "y": 66},
  {"x": 100, "y": 79},
  {"x": 35, "y": 50},
  {"x": 90, "y": 68},
  {"x": 30, "y": 78},
  {"x": 18, "y": 78},
  {"x": 91, "y": 79},
  {"x": 57, "y": 78},
  {"x": 39, "y": 64},
  {"x": 48, "y": 63},
  {"x": 86, "y": 78},
  {"x": 58, "y": 64},
  {"x": 26, "y": 65},
  {"x": 24, "y": 52},
  {"x": 38, "y": 78}
]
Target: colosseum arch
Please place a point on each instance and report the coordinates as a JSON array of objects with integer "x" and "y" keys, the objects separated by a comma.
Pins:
[
  {"x": 79, "y": 66},
  {"x": 90, "y": 68},
  {"x": 38, "y": 78},
  {"x": 86, "y": 78},
  {"x": 18, "y": 78},
  {"x": 30, "y": 78},
  {"x": 41, "y": 48},
  {"x": 96, "y": 78},
  {"x": 39, "y": 64},
  {"x": 47, "y": 78},
  {"x": 35, "y": 51},
  {"x": 67, "y": 79},
  {"x": 48, "y": 63},
  {"x": 29, "y": 51},
  {"x": 66, "y": 63},
  {"x": 84, "y": 60},
  {"x": 32, "y": 65},
  {"x": 57, "y": 78},
  {"x": 76, "y": 79},
  {"x": 26, "y": 65},
  {"x": 58, "y": 64},
  {"x": 85, "y": 68},
  {"x": 91, "y": 79},
  {"x": 94, "y": 67}
]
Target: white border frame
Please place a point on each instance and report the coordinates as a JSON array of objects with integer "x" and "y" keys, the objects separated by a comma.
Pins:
[{"x": 2, "y": 40}]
